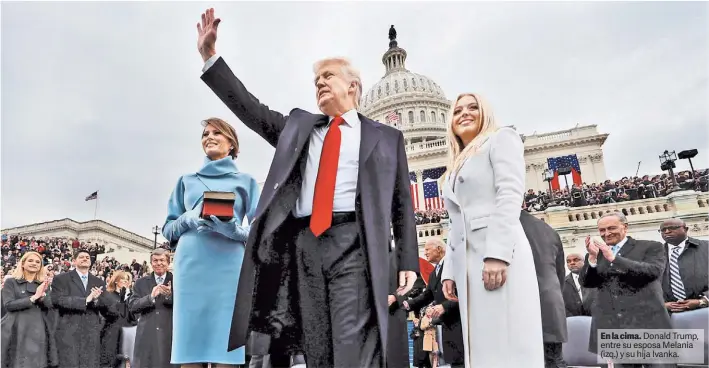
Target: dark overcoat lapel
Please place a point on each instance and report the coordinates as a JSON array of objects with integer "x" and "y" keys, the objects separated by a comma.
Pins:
[
  {"x": 77, "y": 280},
  {"x": 289, "y": 151}
]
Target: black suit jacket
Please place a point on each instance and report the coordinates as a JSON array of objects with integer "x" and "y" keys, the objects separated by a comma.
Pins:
[
  {"x": 383, "y": 200},
  {"x": 693, "y": 270},
  {"x": 629, "y": 289},
  {"x": 453, "y": 348},
  {"x": 153, "y": 338},
  {"x": 548, "y": 253},
  {"x": 575, "y": 306}
]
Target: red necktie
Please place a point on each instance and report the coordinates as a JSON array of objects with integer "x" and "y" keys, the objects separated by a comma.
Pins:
[{"x": 321, "y": 219}]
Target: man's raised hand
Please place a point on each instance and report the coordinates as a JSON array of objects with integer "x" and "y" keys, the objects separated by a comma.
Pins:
[{"x": 207, "y": 32}]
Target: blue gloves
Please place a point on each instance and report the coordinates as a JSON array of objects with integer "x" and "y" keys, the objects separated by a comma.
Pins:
[
  {"x": 229, "y": 229},
  {"x": 186, "y": 222},
  {"x": 190, "y": 219}
]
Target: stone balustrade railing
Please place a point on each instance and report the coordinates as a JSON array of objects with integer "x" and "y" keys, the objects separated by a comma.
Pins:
[
  {"x": 434, "y": 230},
  {"x": 578, "y": 132},
  {"x": 82, "y": 227},
  {"x": 422, "y": 126},
  {"x": 678, "y": 204},
  {"x": 644, "y": 217},
  {"x": 425, "y": 146}
]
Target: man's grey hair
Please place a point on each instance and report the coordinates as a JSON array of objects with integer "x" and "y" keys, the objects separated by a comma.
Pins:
[
  {"x": 438, "y": 243},
  {"x": 619, "y": 215},
  {"x": 348, "y": 70},
  {"x": 159, "y": 252}
]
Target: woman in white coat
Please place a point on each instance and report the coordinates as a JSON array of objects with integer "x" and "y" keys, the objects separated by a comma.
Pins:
[{"x": 490, "y": 270}]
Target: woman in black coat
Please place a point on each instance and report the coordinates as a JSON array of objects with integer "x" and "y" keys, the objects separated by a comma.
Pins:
[
  {"x": 26, "y": 327},
  {"x": 117, "y": 317}
]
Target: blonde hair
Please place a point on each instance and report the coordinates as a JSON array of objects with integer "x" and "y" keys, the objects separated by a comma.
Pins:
[
  {"x": 118, "y": 275},
  {"x": 348, "y": 71},
  {"x": 227, "y": 130},
  {"x": 18, "y": 273},
  {"x": 457, "y": 151}
]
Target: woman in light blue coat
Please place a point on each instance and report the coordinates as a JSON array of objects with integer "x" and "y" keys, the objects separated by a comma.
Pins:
[{"x": 209, "y": 253}]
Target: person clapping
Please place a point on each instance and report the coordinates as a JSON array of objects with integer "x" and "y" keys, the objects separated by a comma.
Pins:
[{"x": 27, "y": 339}]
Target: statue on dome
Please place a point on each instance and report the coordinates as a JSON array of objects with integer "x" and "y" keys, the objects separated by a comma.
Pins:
[{"x": 392, "y": 37}]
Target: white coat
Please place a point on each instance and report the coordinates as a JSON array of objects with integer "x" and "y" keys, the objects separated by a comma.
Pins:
[{"x": 501, "y": 328}]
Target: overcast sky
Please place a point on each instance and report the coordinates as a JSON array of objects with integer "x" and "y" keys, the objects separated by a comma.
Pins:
[{"x": 107, "y": 96}]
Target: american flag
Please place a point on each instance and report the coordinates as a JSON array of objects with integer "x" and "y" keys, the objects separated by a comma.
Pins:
[
  {"x": 431, "y": 194},
  {"x": 414, "y": 187},
  {"x": 564, "y": 161},
  {"x": 392, "y": 118},
  {"x": 555, "y": 163},
  {"x": 93, "y": 196}
]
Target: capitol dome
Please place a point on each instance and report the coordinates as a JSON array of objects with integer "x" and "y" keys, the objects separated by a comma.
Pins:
[
  {"x": 401, "y": 81},
  {"x": 408, "y": 101}
]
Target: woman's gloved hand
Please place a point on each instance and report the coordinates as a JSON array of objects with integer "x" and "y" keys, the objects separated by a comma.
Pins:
[{"x": 230, "y": 229}]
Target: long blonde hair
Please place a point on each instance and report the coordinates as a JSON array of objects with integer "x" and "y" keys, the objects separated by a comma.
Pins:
[
  {"x": 118, "y": 275},
  {"x": 19, "y": 273},
  {"x": 457, "y": 151}
]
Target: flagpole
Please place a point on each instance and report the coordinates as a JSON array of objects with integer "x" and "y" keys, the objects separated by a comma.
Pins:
[{"x": 96, "y": 208}]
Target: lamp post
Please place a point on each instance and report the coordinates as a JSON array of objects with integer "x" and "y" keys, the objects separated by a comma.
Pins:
[
  {"x": 548, "y": 176},
  {"x": 689, "y": 155},
  {"x": 667, "y": 163},
  {"x": 156, "y": 231}
]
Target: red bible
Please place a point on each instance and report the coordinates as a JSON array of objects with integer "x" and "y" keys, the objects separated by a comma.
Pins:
[{"x": 220, "y": 204}]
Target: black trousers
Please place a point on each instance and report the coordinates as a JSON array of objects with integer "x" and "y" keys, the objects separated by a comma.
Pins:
[
  {"x": 553, "y": 357},
  {"x": 339, "y": 321}
]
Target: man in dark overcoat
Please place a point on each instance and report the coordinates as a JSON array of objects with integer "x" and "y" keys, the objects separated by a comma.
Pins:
[
  {"x": 151, "y": 300},
  {"x": 548, "y": 253},
  {"x": 577, "y": 298},
  {"x": 444, "y": 310},
  {"x": 337, "y": 186},
  {"x": 398, "y": 344},
  {"x": 685, "y": 282},
  {"x": 628, "y": 275},
  {"x": 77, "y": 296}
]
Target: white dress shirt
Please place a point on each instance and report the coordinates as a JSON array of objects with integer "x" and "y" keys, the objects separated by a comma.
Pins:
[
  {"x": 82, "y": 274},
  {"x": 347, "y": 167},
  {"x": 681, "y": 246},
  {"x": 600, "y": 254},
  {"x": 437, "y": 268},
  {"x": 575, "y": 277}
]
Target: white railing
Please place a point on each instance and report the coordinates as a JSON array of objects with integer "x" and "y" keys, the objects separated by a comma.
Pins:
[{"x": 426, "y": 146}]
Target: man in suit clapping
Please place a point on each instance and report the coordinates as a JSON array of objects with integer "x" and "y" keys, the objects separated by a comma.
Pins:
[{"x": 628, "y": 276}]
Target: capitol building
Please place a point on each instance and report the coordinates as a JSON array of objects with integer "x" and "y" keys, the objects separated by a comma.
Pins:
[{"x": 416, "y": 105}]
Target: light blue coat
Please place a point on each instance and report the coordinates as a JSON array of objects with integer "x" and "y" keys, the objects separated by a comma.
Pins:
[{"x": 206, "y": 265}]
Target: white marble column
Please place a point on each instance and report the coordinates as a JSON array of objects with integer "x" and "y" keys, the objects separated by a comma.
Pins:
[
  {"x": 419, "y": 179},
  {"x": 599, "y": 169},
  {"x": 588, "y": 174}
]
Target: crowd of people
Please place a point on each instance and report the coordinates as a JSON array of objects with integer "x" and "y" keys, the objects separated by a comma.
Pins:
[
  {"x": 51, "y": 320},
  {"x": 57, "y": 253},
  {"x": 306, "y": 272},
  {"x": 623, "y": 190},
  {"x": 430, "y": 216}
]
